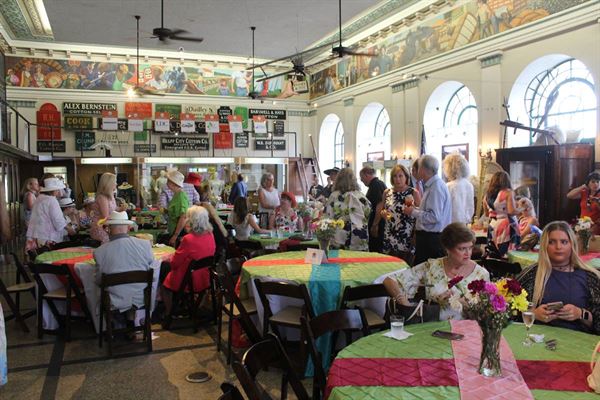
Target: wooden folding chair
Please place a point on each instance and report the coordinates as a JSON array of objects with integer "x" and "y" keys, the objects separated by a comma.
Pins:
[
  {"x": 329, "y": 322},
  {"x": 262, "y": 355},
  {"x": 230, "y": 392},
  {"x": 353, "y": 294},
  {"x": 19, "y": 287},
  {"x": 125, "y": 278},
  {"x": 69, "y": 292},
  {"x": 499, "y": 269}
]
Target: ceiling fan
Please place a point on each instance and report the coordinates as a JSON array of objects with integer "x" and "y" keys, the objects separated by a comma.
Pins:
[
  {"x": 253, "y": 94},
  {"x": 137, "y": 90},
  {"x": 165, "y": 34},
  {"x": 298, "y": 66}
]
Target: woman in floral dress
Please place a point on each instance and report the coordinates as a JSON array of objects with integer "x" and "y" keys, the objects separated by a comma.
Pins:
[
  {"x": 350, "y": 205},
  {"x": 399, "y": 227},
  {"x": 284, "y": 216},
  {"x": 499, "y": 202}
]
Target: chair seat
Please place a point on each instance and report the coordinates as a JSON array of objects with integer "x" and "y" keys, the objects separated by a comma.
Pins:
[
  {"x": 373, "y": 319},
  {"x": 60, "y": 293},
  {"x": 287, "y": 316},
  {"x": 249, "y": 304},
  {"x": 20, "y": 287}
]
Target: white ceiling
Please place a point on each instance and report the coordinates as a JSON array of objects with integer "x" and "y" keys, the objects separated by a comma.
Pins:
[{"x": 282, "y": 26}]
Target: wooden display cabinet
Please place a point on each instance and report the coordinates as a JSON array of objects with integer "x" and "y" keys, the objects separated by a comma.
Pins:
[{"x": 549, "y": 172}]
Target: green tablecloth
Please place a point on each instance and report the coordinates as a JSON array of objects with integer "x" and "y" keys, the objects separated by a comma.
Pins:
[
  {"x": 573, "y": 351},
  {"x": 273, "y": 242},
  {"x": 526, "y": 258},
  {"x": 73, "y": 255}
]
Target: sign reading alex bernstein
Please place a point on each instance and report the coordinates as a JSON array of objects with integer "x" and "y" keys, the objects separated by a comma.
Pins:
[
  {"x": 265, "y": 144},
  {"x": 184, "y": 143},
  {"x": 268, "y": 114},
  {"x": 88, "y": 108}
]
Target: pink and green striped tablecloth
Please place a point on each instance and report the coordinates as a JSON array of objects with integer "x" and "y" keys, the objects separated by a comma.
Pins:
[
  {"x": 527, "y": 258},
  {"x": 425, "y": 367}
]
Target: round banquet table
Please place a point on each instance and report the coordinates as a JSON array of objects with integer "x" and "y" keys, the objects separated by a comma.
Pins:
[
  {"x": 425, "y": 367},
  {"x": 80, "y": 261},
  {"x": 268, "y": 242},
  {"x": 527, "y": 258}
]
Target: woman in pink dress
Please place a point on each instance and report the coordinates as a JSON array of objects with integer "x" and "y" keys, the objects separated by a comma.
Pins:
[{"x": 105, "y": 204}]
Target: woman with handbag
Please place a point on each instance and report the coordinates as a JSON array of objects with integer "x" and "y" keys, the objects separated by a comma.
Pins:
[
  {"x": 564, "y": 290},
  {"x": 445, "y": 279}
]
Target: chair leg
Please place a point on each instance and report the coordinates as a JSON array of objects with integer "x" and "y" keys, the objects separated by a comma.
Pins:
[
  {"x": 40, "y": 320},
  {"x": 14, "y": 307},
  {"x": 109, "y": 331},
  {"x": 100, "y": 323},
  {"x": 219, "y": 328},
  {"x": 148, "y": 330},
  {"x": 229, "y": 341},
  {"x": 68, "y": 321}
]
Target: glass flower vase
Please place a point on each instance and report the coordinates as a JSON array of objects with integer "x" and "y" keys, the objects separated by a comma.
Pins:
[
  {"x": 583, "y": 242},
  {"x": 489, "y": 362},
  {"x": 324, "y": 245}
]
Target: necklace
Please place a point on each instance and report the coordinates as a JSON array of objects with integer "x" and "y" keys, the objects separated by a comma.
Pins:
[
  {"x": 564, "y": 268},
  {"x": 450, "y": 270}
]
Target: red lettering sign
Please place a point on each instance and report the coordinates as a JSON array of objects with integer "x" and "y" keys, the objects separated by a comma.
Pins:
[
  {"x": 223, "y": 140},
  {"x": 48, "y": 116},
  {"x": 143, "y": 110}
]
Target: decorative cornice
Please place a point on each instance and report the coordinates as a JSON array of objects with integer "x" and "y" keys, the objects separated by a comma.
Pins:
[
  {"x": 20, "y": 26},
  {"x": 22, "y": 104},
  {"x": 35, "y": 20},
  {"x": 348, "y": 101},
  {"x": 490, "y": 59},
  {"x": 312, "y": 113},
  {"x": 406, "y": 84}
]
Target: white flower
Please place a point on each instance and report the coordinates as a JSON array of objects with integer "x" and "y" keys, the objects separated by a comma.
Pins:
[{"x": 455, "y": 303}]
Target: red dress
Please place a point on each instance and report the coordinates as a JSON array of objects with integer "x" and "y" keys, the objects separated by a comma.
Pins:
[
  {"x": 192, "y": 247},
  {"x": 591, "y": 210}
]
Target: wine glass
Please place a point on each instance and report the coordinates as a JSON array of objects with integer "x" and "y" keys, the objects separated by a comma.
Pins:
[{"x": 528, "y": 320}]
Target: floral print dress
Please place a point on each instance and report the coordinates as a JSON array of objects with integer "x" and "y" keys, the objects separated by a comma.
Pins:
[
  {"x": 286, "y": 222},
  {"x": 432, "y": 274},
  {"x": 503, "y": 231},
  {"x": 397, "y": 237},
  {"x": 353, "y": 208}
]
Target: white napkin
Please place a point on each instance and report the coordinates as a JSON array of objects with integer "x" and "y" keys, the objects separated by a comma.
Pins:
[
  {"x": 398, "y": 336},
  {"x": 160, "y": 245}
]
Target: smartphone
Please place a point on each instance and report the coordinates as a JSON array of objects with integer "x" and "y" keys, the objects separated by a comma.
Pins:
[
  {"x": 448, "y": 335},
  {"x": 557, "y": 305}
]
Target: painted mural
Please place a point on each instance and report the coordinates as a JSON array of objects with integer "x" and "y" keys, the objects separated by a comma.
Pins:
[
  {"x": 90, "y": 75},
  {"x": 468, "y": 22}
]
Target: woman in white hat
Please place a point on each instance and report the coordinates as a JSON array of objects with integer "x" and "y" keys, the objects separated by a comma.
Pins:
[
  {"x": 47, "y": 224},
  {"x": 178, "y": 205},
  {"x": 105, "y": 204}
]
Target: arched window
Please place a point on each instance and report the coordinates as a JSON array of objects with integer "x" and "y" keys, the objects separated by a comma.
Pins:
[
  {"x": 451, "y": 119},
  {"x": 563, "y": 96},
  {"x": 461, "y": 108},
  {"x": 373, "y": 135},
  {"x": 331, "y": 135}
]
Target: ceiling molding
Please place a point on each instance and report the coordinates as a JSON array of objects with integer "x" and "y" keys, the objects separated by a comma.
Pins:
[
  {"x": 36, "y": 25},
  {"x": 23, "y": 21}
]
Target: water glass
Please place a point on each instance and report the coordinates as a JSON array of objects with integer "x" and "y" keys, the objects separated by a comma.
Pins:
[{"x": 397, "y": 324}]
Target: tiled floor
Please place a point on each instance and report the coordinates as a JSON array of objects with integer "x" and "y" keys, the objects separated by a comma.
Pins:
[{"x": 52, "y": 369}]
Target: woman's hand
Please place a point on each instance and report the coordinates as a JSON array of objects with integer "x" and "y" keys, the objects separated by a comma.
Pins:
[
  {"x": 569, "y": 312},
  {"x": 543, "y": 314},
  {"x": 172, "y": 241},
  {"x": 408, "y": 210}
]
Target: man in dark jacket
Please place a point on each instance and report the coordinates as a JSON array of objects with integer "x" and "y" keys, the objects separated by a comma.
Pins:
[
  {"x": 375, "y": 195},
  {"x": 239, "y": 189}
]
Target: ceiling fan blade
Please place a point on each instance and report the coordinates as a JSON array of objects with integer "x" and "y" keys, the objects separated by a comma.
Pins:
[
  {"x": 175, "y": 32},
  {"x": 323, "y": 61},
  {"x": 186, "y": 39},
  {"x": 296, "y": 55},
  {"x": 358, "y": 53},
  {"x": 275, "y": 76}
]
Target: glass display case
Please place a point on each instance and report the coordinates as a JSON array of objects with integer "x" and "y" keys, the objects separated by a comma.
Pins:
[{"x": 546, "y": 174}]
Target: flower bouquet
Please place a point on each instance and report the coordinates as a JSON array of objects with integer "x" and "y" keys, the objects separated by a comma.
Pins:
[
  {"x": 583, "y": 230},
  {"x": 325, "y": 230},
  {"x": 491, "y": 305}
]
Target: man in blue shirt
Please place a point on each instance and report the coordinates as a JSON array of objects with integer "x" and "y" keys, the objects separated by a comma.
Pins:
[
  {"x": 239, "y": 189},
  {"x": 434, "y": 213}
]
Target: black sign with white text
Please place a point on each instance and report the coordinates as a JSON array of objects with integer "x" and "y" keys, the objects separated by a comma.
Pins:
[
  {"x": 265, "y": 144},
  {"x": 241, "y": 139},
  {"x": 45, "y": 146},
  {"x": 184, "y": 143},
  {"x": 144, "y": 148},
  {"x": 269, "y": 114}
]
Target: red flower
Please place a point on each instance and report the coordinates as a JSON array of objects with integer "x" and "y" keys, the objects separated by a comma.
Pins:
[
  {"x": 513, "y": 286},
  {"x": 476, "y": 286},
  {"x": 454, "y": 281}
]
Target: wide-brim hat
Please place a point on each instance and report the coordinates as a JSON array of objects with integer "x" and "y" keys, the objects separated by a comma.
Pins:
[
  {"x": 330, "y": 171},
  {"x": 66, "y": 202},
  {"x": 52, "y": 184},
  {"x": 194, "y": 178},
  {"x": 176, "y": 177},
  {"x": 89, "y": 200},
  {"x": 124, "y": 186},
  {"x": 117, "y": 218}
]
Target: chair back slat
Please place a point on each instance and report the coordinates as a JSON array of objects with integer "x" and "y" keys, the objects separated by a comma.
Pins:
[
  {"x": 124, "y": 278},
  {"x": 363, "y": 292},
  {"x": 283, "y": 289},
  {"x": 228, "y": 284}
]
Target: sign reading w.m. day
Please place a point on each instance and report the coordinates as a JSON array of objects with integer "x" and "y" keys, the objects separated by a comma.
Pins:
[{"x": 87, "y": 108}]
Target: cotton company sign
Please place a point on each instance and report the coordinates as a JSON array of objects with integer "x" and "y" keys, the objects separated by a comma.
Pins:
[
  {"x": 138, "y": 110},
  {"x": 48, "y": 121},
  {"x": 88, "y": 108}
]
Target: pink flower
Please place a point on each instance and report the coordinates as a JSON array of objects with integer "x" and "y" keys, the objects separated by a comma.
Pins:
[
  {"x": 454, "y": 281},
  {"x": 498, "y": 302},
  {"x": 490, "y": 288}
]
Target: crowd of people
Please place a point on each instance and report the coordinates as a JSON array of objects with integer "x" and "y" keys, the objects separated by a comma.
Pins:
[{"x": 420, "y": 218}]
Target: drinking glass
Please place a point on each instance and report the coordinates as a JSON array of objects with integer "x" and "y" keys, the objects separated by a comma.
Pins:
[
  {"x": 528, "y": 320},
  {"x": 397, "y": 324}
]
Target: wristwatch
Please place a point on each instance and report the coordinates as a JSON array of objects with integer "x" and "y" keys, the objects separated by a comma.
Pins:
[{"x": 585, "y": 315}]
